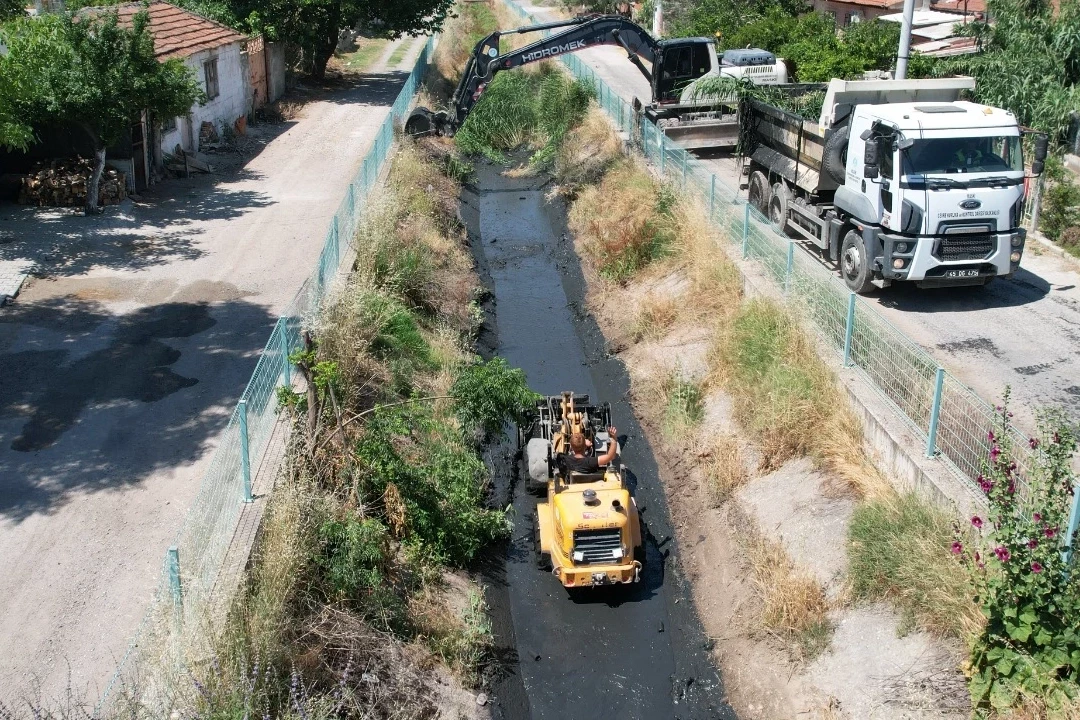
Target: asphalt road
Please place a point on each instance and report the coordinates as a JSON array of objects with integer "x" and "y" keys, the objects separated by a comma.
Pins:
[
  {"x": 627, "y": 652},
  {"x": 1023, "y": 332},
  {"x": 121, "y": 367}
]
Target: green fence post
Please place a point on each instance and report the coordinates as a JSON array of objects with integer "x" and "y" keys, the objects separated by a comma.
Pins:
[
  {"x": 286, "y": 366},
  {"x": 685, "y": 165},
  {"x": 790, "y": 264},
  {"x": 245, "y": 457},
  {"x": 1074, "y": 521},
  {"x": 712, "y": 196},
  {"x": 849, "y": 330},
  {"x": 746, "y": 230},
  {"x": 663, "y": 151},
  {"x": 172, "y": 565},
  {"x": 935, "y": 413}
]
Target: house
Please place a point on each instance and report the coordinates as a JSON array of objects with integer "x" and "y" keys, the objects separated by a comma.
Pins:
[
  {"x": 933, "y": 30},
  {"x": 238, "y": 74},
  {"x": 846, "y": 12}
]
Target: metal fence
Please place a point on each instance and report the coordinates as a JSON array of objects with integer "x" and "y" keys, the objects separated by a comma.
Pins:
[
  {"x": 193, "y": 563},
  {"x": 951, "y": 418}
]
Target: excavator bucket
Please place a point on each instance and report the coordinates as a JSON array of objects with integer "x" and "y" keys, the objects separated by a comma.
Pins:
[{"x": 422, "y": 122}]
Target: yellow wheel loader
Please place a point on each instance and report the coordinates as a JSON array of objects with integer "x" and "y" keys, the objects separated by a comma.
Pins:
[{"x": 588, "y": 532}]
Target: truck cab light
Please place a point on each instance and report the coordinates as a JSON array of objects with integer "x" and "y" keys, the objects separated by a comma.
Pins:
[
  {"x": 1016, "y": 240},
  {"x": 898, "y": 263},
  {"x": 1015, "y": 257},
  {"x": 901, "y": 247}
]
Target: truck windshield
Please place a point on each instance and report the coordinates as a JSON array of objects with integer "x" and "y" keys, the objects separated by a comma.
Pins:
[{"x": 964, "y": 155}]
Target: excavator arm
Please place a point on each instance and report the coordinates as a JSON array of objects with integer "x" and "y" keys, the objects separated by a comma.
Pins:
[{"x": 582, "y": 32}]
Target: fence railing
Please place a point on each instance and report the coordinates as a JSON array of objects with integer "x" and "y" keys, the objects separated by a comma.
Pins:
[
  {"x": 193, "y": 563},
  {"x": 953, "y": 421}
]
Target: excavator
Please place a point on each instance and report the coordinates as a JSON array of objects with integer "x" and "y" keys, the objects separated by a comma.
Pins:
[
  {"x": 672, "y": 68},
  {"x": 588, "y": 532}
]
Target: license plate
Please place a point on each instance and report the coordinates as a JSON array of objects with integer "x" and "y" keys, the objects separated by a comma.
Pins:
[{"x": 961, "y": 273}]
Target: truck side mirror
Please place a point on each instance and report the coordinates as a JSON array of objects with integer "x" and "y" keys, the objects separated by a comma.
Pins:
[{"x": 1041, "y": 146}]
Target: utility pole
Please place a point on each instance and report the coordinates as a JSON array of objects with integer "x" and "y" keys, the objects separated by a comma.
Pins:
[
  {"x": 905, "y": 40},
  {"x": 658, "y": 20}
]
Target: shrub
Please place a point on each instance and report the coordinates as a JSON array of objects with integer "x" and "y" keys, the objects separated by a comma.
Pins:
[
  {"x": 354, "y": 557},
  {"x": 1030, "y": 645},
  {"x": 1070, "y": 240},
  {"x": 487, "y": 394},
  {"x": 1061, "y": 201}
]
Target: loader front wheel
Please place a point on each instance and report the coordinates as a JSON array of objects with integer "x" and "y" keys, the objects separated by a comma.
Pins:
[{"x": 543, "y": 559}]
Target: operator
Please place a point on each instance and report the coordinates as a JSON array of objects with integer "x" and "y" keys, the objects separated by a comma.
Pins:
[
  {"x": 969, "y": 153},
  {"x": 578, "y": 462}
]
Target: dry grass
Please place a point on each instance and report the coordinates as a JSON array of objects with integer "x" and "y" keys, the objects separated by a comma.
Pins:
[
  {"x": 1035, "y": 709},
  {"x": 794, "y": 606},
  {"x": 656, "y": 316},
  {"x": 624, "y": 222},
  {"x": 725, "y": 468},
  {"x": 586, "y": 153}
]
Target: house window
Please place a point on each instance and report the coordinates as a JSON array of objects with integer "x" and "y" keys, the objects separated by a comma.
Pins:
[
  {"x": 210, "y": 73},
  {"x": 168, "y": 124}
]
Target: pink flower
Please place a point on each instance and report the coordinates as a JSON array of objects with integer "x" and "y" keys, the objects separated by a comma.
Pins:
[
  {"x": 986, "y": 485},
  {"x": 976, "y": 521},
  {"x": 1034, "y": 443},
  {"x": 1036, "y": 567},
  {"x": 1033, "y": 543},
  {"x": 957, "y": 548},
  {"x": 990, "y": 435},
  {"x": 994, "y": 453},
  {"x": 1050, "y": 532},
  {"x": 1037, "y": 517},
  {"x": 1002, "y": 553},
  {"x": 1012, "y": 487}
]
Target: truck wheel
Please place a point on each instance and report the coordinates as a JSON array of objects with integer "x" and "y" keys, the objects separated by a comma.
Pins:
[
  {"x": 758, "y": 193},
  {"x": 834, "y": 157},
  {"x": 778, "y": 207},
  {"x": 854, "y": 263}
]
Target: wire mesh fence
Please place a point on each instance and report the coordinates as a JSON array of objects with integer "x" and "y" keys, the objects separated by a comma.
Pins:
[
  {"x": 953, "y": 421},
  {"x": 192, "y": 567}
]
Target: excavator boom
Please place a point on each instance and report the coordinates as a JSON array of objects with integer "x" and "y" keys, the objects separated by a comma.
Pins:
[{"x": 486, "y": 60}]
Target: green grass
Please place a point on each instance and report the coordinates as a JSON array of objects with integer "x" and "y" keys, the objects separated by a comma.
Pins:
[
  {"x": 684, "y": 408},
  {"x": 368, "y": 50},
  {"x": 900, "y": 550},
  {"x": 399, "y": 52},
  {"x": 519, "y": 108}
]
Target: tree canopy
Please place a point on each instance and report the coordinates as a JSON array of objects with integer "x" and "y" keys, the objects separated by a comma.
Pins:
[
  {"x": 11, "y": 8},
  {"x": 1029, "y": 64}
]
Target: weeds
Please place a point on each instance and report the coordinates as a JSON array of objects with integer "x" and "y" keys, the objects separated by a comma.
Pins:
[
  {"x": 793, "y": 602},
  {"x": 625, "y": 222},
  {"x": 524, "y": 108},
  {"x": 725, "y": 468},
  {"x": 684, "y": 408},
  {"x": 900, "y": 551},
  {"x": 656, "y": 315}
]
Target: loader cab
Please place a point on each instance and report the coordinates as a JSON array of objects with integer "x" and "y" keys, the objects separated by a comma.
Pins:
[{"x": 681, "y": 61}]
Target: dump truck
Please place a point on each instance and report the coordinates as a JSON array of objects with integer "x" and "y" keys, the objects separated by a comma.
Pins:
[
  {"x": 897, "y": 181},
  {"x": 588, "y": 529},
  {"x": 672, "y": 67}
]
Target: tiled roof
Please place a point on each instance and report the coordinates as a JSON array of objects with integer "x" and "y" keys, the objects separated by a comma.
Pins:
[
  {"x": 960, "y": 6},
  {"x": 178, "y": 32}
]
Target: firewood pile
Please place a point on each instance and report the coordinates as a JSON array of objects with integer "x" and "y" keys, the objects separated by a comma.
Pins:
[{"x": 62, "y": 183}]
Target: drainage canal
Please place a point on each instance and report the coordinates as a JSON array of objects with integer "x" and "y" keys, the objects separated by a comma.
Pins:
[{"x": 622, "y": 652}]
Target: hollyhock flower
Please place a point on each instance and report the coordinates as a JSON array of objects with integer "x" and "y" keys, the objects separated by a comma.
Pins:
[
  {"x": 1033, "y": 543},
  {"x": 957, "y": 548},
  {"x": 1037, "y": 517},
  {"x": 990, "y": 435},
  {"x": 1036, "y": 567},
  {"x": 986, "y": 485},
  {"x": 994, "y": 453},
  {"x": 976, "y": 521},
  {"x": 1002, "y": 553},
  {"x": 1034, "y": 443},
  {"x": 1050, "y": 532}
]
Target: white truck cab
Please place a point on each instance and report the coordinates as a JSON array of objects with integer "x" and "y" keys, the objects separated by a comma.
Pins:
[{"x": 950, "y": 174}]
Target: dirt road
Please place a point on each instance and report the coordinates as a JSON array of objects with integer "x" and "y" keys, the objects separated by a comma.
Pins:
[
  {"x": 1023, "y": 332},
  {"x": 122, "y": 365}
]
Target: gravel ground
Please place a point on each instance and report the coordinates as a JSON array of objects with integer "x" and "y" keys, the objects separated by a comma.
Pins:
[{"x": 121, "y": 365}]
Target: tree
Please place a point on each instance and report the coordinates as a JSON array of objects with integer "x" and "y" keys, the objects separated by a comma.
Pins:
[
  {"x": 11, "y": 9},
  {"x": 88, "y": 71},
  {"x": 315, "y": 25},
  {"x": 1029, "y": 63}
]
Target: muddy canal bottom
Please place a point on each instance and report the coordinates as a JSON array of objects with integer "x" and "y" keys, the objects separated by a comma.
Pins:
[{"x": 625, "y": 652}]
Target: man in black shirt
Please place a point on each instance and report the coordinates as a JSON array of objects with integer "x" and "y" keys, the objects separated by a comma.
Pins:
[{"x": 577, "y": 461}]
